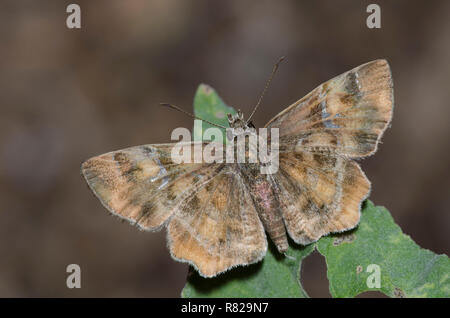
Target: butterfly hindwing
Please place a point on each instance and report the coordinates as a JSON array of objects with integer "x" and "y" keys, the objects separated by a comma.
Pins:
[
  {"x": 218, "y": 227},
  {"x": 319, "y": 194}
]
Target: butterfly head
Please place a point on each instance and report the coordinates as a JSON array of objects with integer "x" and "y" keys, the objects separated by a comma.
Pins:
[
  {"x": 237, "y": 121},
  {"x": 238, "y": 125}
]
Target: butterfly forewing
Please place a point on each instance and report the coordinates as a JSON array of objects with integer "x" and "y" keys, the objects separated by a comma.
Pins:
[
  {"x": 346, "y": 115},
  {"x": 142, "y": 184}
]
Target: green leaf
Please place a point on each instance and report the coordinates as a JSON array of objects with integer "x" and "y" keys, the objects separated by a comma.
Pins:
[
  {"x": 275, "y": 276},
  {"x": 209, "y": 106},
  {"x": 406, "y": 269}
]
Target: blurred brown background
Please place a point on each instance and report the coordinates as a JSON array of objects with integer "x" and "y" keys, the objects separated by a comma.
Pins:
[{"x": 67, "y": 95}]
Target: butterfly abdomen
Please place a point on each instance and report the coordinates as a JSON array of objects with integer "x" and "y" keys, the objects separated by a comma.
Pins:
[{"x": 267, "y": 207}]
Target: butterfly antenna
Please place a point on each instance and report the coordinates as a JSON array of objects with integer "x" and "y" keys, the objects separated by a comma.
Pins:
[
  {"x": 274, "y": 70},
  {"x": 191, "y": 115}
]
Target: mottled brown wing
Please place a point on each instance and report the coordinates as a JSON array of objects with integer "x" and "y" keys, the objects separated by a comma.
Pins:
[
  {"x": 212, "y": 223},
  {"x": 319, "y": 187},
  {"x": 143, "y": 185},
  {"x": 346, "y": 115},
  {"x": 319, "y": 194},
  {"x": 218, "y": 227}
]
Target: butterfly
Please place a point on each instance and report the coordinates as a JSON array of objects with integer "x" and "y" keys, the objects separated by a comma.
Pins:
[{"x": 218, "y": 215}]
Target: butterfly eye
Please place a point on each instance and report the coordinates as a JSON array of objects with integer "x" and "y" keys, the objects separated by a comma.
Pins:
[{"x": 230, "y": 135}]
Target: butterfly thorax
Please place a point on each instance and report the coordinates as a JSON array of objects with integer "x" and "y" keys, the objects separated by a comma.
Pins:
[{"x": 258, "y": 184}]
